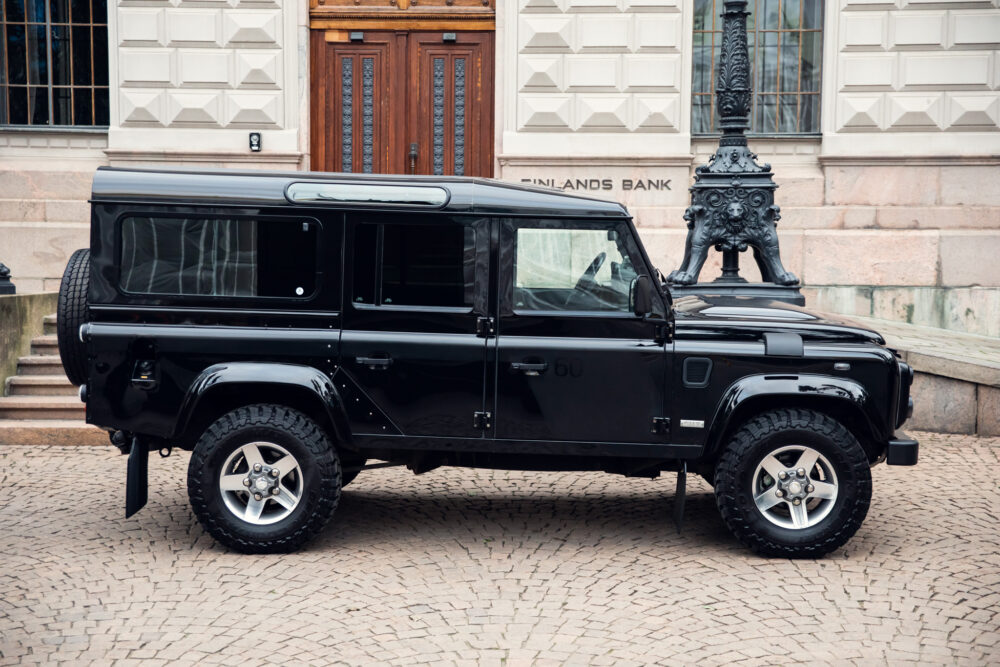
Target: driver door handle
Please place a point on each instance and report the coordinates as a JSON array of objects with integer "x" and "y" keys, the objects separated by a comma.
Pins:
[
  {"x": 375, "y": 362},
  {"x": 529, "y": 369}
]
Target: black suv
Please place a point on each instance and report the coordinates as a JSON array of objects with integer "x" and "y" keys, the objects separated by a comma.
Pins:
[{"x": 291, "y": 327}]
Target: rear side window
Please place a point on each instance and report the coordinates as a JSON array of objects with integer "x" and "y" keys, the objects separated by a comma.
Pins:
[
  {"x": 432, "y": 265},
  {"x": 242, "y": 257}
]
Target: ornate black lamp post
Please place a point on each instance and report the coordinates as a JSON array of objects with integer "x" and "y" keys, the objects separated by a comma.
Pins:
[
  {"x": 732, "y": 199},
  {"x": 6, "y": 286}
]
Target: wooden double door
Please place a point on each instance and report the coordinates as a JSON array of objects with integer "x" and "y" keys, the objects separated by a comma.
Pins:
[{"x": 402, "y": 102}]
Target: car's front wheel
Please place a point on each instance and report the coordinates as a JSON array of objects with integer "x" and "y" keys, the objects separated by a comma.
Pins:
[
  {"x": 264, "y": 479},
  {"x": 793, "y": 483}
]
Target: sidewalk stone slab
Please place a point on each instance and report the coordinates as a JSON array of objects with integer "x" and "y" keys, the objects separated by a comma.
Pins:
[{"x": 492, "y": 567}]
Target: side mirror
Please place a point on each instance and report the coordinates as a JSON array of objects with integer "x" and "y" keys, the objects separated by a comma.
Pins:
[{"x": 642, "y": 296}]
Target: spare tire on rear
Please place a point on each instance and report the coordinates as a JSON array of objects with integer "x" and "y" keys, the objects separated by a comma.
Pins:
[{"x": 71, "y": 313}]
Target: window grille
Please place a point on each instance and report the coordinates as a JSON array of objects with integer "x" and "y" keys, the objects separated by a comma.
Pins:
[
  {"x": 54, "y": 62},
  {"x": 785, "y": 40}
]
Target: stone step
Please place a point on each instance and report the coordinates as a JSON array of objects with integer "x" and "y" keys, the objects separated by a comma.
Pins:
[
  {"x": 45, "y": 345},
  {"x": 49, "y": 324},
  {"x": 60, "y": 432},
  {"x": 42, "y": 364},
  {"x": 41, "y": 407},
  {"x": 40, "y": 385}
]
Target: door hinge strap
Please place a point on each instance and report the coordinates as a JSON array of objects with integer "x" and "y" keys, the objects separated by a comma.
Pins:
[
  {"x": 485, "y": 327},
  {"x": 482, "y": 420}
]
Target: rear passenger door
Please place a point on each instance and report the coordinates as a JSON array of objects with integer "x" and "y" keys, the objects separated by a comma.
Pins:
[{"x": 415, "y": 289}]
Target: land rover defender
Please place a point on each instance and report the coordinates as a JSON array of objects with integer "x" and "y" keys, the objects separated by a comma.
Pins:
[{"x": 295, "y": 329}]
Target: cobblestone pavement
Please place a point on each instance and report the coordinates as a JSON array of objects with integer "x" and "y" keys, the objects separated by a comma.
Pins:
[{"x": 488, "y": 567}]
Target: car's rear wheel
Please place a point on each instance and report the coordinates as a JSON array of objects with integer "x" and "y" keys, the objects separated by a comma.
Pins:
[
  {"x": 793, "y": 483},
  {"x": 264, "y": 479},
  {"x": 71, "y": 312}
]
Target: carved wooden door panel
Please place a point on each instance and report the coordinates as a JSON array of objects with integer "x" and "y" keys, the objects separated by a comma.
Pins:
[
  {"x": 452, "y": 99},
  {"x": 403, "y": 102},
  {"x": 353, "y": 97}
]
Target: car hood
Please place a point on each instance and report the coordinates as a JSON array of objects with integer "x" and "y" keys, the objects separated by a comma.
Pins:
[{"x": 741, "y": 317}]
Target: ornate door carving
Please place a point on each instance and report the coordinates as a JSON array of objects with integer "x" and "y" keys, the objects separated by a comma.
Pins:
[{"x": 403, "y": 102}]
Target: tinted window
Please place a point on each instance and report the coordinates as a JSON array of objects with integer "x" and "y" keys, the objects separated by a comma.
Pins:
[
  {"x": 562, "y": 266},
  {"x": 415, "y": 265},
  {"x": 218, "y": 257}
]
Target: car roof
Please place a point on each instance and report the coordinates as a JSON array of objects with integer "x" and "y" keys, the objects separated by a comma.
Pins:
[{"x": 213, "y": 187}]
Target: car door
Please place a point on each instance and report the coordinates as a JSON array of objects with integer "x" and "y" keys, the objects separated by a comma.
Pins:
[
  {"x": 574, "y": 364},
  {"x": 412, "y": 360}
]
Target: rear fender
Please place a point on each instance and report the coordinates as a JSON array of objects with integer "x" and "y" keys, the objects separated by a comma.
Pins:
[
  {"x": 260, "y": 376},
  {"x": 842, "y": 398}
]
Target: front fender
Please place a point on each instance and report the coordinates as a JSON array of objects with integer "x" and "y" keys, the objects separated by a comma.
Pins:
[
  {"x": 264, "y": 374},
  {"x": 793, "y": 390}
]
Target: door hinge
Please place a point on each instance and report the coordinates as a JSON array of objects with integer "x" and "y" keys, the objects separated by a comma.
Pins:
[
  {"x": 660, "y": 425},
  {"x": 486, "y": 327},
  {"x": 482, "y": 421}
]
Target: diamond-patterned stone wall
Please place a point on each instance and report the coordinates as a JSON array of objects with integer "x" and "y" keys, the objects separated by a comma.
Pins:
[
  {"x": 918, "y": 65},
  {"x": 599, "y": 66},
  {"x": 200, "y": 63}
]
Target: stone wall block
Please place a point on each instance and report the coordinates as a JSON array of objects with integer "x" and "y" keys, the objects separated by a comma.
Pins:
[
  {"x": 656, "y": 113},
  {"x": 971, "y": 111},
  {"x": 925, "y": 30},
  {"x": 798, "y": 189},
  {"x": 258, "y": 69},
  {"x": 972, "y": 185},
  {"x": 544, "y": 112},
  {"x": 881, "y": 186},
  {"x": 860, "y": 112},
  {"x": 194, "y": 27},
  {"x": 67, "y": 210},
  {"x": 921, "y": 306},
  {"x": 253, "y": 109},
  {"x": 945, "y": 71},
  {"x": 871, "y": 71},
  {"x": 863, "y": 257},
  {"x": 144, "y": 67},
  {"x": 937, "y": 217},
  {"x": 602, "y": 112},
  {"x": 864, "y": 31},
  {"x": 252, "y": 28},
  {"x": 545, "y": 33},
  {"x": 30, "y": 184},
  {"x": 603, "y": 33},
  {"x": 593, "y": 73},
  {"x": 43, "y": 248},
  {"x": 593, "y": 5},
  {"x": 918, "y": 111},
  {"x": 202, "y": 109},
  {"x": 538, "y": 72},
  {"x": 943, "y": 405},
  {"x": 141, "y": 107},
  {"x": 970, "y": 258},
  {"x": 660, "y": 33},
  {"x": 988, "y": 411},
  {"x": 205, "y": 68},
  {"x": 976, "y": 29},
  {"x": 972, "y": 309},
  {"x": 21, "y": 210},
  {"x": 141, "y": 26}
]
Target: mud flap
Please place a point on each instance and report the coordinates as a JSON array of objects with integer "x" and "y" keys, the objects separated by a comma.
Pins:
[
  {"x": 137, "y": 484},
  {"x": 679, "y": 496}
]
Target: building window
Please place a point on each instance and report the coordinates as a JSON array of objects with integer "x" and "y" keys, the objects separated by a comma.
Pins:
[
  {"x": 54, "y": 62},
  {"x": 785, "y": 38}
]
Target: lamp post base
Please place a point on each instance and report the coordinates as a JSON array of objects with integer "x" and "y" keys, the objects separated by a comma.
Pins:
[{"x": 763, "y": 291}]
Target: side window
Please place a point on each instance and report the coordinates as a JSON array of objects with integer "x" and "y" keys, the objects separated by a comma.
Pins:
[
  {"x": 239, "y": 257},
  {"x": 573, "y": 266},
  {"x": 430, "y": 265}
]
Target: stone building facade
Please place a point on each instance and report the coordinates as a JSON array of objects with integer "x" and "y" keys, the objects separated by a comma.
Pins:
[{"x": 890, "y": 199}]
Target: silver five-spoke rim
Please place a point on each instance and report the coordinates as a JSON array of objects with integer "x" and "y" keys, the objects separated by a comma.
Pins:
[
  {"x": 795, "y": 487},
  {"x": 261, "y": 483}
]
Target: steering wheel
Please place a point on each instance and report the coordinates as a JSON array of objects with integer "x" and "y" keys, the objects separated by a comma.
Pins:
[{"x": 588, "y": 278}]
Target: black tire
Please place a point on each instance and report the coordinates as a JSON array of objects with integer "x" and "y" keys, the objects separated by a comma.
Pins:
[
  {"x": 768, "y": 432},
  {"x": 71, "y": 312},
  {"x": 297, "y": 434}
]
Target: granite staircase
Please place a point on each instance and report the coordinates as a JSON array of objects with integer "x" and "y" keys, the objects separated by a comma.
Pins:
[{"x": 39, "y": 406}]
